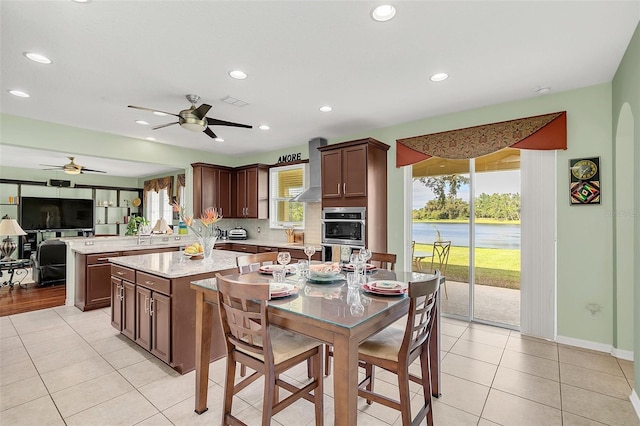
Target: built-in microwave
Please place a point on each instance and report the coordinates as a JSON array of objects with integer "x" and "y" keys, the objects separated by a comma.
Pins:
[{"x": 344, "y": 226}]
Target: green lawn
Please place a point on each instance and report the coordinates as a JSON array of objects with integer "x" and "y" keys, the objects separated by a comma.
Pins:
[{"x": 494, "y": 267}]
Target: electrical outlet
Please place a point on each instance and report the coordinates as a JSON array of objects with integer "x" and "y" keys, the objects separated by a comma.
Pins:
[
  {"x": 88, "y": 243},
  {"x": 258, "y": 229}
]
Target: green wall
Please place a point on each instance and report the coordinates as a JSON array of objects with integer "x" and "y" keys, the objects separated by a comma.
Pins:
[{"x": 626, "y": 95}]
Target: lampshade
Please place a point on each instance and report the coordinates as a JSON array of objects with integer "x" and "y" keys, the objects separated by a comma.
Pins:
[
  {"x": 160, "y": 227},
  {"x": 9, "y": 227}
]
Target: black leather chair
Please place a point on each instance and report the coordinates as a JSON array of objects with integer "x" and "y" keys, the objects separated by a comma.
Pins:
[{"x": 49, "y": 263}]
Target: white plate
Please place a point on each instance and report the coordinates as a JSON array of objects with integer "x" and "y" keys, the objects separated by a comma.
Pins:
[
  {"x": 268, "y": 269},
  {"x": 282, "y": 290},
  {"x": 386, "y": 287},
  {"x": 349, "y": 267},
  {"x": 326, "y": 279}
]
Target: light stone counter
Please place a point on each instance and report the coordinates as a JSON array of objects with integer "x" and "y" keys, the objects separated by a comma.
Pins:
[
  {"x": 107, "y": 244},
  {"x": 176, "y": 265}
]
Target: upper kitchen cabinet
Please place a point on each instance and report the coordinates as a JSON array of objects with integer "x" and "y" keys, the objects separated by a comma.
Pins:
[
  {"x": 212, "y": 188},
  {"x": 351, "y": 171},
  {"x": 252, "y": 192}
]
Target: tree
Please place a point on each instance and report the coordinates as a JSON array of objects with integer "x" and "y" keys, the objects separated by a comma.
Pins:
[{"x": 447, "y": 205}]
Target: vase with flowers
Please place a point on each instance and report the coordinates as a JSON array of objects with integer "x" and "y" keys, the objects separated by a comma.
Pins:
[{"x": 207, "y": 233}]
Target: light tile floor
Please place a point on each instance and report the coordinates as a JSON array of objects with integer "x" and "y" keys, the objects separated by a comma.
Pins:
[{"x": 61, "y": 366}]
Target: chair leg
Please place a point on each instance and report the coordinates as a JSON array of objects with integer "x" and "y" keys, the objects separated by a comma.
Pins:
[
  {"x": 369, "y": 371},
  {"x": 229, "y": 384},
  {"x": 269, "y": 399},
  {"x": 318, "y": 392},
  {"x": 444, "y": 284},
  {"x": 327, "y": 359},
  {"x": 405, "y": 397}
]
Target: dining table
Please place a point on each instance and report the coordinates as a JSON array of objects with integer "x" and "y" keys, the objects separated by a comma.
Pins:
[{"x": 321, "y": 311}]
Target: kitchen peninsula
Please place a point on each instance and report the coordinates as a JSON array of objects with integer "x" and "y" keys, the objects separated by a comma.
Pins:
[{"x": 153, "y": 304}]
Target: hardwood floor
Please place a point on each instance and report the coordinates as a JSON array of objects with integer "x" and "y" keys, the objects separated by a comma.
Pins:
[{"x": 18, "y": 299}]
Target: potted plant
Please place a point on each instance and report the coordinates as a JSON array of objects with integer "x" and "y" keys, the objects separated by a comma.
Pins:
[{"x": 134, "y": 223}]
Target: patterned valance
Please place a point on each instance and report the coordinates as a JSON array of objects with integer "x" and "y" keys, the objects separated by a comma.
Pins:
[
  {"x": 158, "y": 184},
  {"x": 542, "y": 132}
]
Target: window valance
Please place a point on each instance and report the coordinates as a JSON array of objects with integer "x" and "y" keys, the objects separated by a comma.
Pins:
[
  {"x": 182, "y": 179},
  {"x": 159, "y": 184},
  {"x": 541, "y": 132}
]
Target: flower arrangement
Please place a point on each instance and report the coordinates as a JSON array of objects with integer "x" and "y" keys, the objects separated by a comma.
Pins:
[{"x": 208, "y": 220}]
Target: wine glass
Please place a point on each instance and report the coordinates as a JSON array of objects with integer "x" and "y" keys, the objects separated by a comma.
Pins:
[
  {"x": 309, "y": 251},
  {"x": 284, "y": 257},
  {"x": 365, "y": 253}
]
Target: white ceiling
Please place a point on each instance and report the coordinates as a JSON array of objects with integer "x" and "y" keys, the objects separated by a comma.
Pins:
[{"x": 299, "y": 55}]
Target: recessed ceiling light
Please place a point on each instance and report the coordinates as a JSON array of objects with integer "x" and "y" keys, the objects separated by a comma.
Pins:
[
  {"x": 161, "y": 114},
  {"x": 326, "y": 108},
  {"x": 81, "y": 1},
  {"x": 263, "y": 127},
  {"x": 383, "y": 13},
  {"x": 218, "y": 140},
  {"x": 440, "y": 76},
  {"x": 36, "y": 57},
  {"x": 238, "y": 75},
  {"x": 19, "y": 93},
  {"x": 142, "y": 122},
  {"x": 150, "y": 139},
  {"x": 542, "y": 90}
]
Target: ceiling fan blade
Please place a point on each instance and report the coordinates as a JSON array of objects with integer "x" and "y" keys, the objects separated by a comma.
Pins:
[
  {"x": 209, "y": 132},
  {"x": 152, "y": 110},
  {"x": 51, "y": 165},
  {"x": 84, "y": 169},
  {"x": 201, "y": 111},
  {"x": 216, "y": 122},
  {"x": 163, "y": 125}
]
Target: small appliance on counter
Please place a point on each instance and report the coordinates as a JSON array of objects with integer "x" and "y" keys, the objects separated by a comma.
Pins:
[
  {"x": 238, "y": 233},
  {"x": 223, "y": 234}
]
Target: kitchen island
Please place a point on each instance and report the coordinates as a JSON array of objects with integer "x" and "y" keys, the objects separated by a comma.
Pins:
[{"x": 153, "y": 305}]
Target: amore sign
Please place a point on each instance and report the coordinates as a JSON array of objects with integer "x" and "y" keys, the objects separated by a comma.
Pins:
[{"x": 289, "y": 158}]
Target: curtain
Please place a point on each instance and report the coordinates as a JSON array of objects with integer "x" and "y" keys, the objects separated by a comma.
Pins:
[
  {"x": 541, "y": 132},
  {"x": 159, "y": 184},
  {"x": 181, "y": 184}
]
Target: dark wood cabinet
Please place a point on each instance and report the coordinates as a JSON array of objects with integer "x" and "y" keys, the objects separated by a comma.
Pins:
[
  {"x": 212, "y": 188},
  {"x": 252, "y": 192},
  {"x": 245, "y": 248},
  {"x": 153, "y": 314},
  {"x": 354, "y": 174},
  {"x": 92, "y": 280},
  {"x": 344, "y": 172},
  {"x": 92, "y": 277},
  {"x": 158, "y": 313}
]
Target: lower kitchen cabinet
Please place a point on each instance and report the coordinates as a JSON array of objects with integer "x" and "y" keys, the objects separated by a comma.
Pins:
[
  {"x": 92, "y": 275},
  {"x": 93, "y": 283},
  {"x": 153, "y": 315},
  {"x": 158, "y": 313},
  {"x": 123, "y": 303}
]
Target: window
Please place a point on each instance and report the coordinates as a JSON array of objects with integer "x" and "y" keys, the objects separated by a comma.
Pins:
[
  {"x": 285, "y": 183},
  {"x": 157, "y": 206}
]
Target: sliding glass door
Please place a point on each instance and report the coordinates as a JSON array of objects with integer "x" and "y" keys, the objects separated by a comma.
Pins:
[{"x": 474, "y": 204}]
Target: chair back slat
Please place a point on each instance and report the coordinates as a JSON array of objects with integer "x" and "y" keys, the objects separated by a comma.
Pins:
[
  {"x": 243, "y": 314},
  {"x": 440, "y": 257},
  {"x": 422, "y": 296}
]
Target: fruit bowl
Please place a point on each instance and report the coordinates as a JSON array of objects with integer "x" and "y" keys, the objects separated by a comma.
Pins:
[{"x": 195, "y": 256}]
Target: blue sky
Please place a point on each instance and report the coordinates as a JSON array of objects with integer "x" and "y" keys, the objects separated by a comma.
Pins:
[{"x": 487, "y": 182}]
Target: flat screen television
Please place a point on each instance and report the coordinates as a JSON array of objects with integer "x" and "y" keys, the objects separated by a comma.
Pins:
[{"x": 40, "y": 213}]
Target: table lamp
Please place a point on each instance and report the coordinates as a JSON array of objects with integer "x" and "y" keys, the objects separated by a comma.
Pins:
[
  {"x": 9, "y": 227},
  {"x": 161, "y": 227}
]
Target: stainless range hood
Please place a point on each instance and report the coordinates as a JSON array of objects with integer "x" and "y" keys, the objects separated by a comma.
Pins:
[{"x": 314, "y": 193}]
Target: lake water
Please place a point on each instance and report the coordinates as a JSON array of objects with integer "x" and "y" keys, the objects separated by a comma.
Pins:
[{"x": 504, "y": 236}]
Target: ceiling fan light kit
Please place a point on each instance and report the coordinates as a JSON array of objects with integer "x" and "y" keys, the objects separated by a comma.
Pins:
[{"x": 194, "y": 119}]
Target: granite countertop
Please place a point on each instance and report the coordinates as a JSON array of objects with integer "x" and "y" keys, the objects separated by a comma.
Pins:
[
  {"x": 106, "y": 244},
  {"x": 175, "y": 265}
]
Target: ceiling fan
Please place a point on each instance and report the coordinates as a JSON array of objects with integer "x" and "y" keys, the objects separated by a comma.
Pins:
[
  {"x": 72, "y": 168},
  {"x": 194, "y": 119}
]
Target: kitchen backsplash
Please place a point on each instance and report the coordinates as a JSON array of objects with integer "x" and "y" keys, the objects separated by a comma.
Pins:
[{"x": 312, "y": 231}]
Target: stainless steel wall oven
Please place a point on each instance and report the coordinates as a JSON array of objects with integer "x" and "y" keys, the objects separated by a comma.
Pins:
[{"x": 344, "y": 226}]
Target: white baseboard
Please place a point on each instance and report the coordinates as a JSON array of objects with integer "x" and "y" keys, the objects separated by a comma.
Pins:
[
  {"x": 595, "y": 346},
  {"x": 69, "y": 302},
  {"x": 635, "y": 402}
]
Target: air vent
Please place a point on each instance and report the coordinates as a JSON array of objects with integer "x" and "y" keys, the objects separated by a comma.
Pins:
[{"x": 233, "y": 101}]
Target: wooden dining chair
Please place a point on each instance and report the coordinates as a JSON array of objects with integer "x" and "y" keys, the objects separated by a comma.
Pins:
[
  {"x": 268, "y": 350},
  {"x": 384, "y": 260},
  {"x": 395, "y": 350},
  {"x": 380, "y": 260},
  {"x": 246, "y": 261},
  {"x": 440, "y": 260}
]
